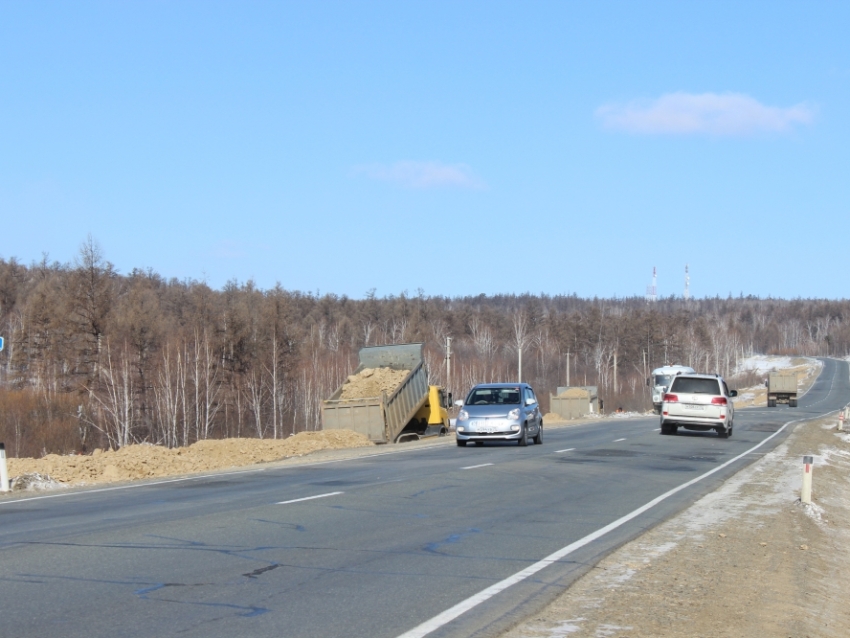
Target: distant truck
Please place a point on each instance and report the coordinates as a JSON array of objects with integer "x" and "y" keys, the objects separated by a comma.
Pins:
[
  {"x": 659, "y": 381},
  {"x": 411, "y": 411},
  {"x": 782, "y": 388}
]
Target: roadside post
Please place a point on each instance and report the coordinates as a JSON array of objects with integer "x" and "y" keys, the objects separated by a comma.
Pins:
[
  {"x": 4, "y": 472},
  {"x": 806, "y": 494}
]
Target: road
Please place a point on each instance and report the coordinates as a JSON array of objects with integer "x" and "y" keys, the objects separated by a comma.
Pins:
[{"x": 376, "y": 546}]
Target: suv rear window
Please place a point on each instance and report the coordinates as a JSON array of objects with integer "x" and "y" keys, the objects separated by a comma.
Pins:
[{"x": 695, "y": 386}]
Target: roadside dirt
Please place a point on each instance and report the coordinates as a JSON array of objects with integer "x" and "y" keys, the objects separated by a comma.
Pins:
[
  {"x": 370, "y": 382},
  {"x": 747, "y": 560},
  {"x": 148, "y": 461}
]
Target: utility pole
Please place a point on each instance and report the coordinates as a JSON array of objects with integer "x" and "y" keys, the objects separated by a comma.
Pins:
[
  {"x": 616, "y": 389},
  {"x": 520, "y": 365},
  {"x": 448, "y": 365},
  {"x": 568, "y": 368}
]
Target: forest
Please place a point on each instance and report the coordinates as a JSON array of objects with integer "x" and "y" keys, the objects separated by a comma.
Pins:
[{"x": 95, "y": 358}]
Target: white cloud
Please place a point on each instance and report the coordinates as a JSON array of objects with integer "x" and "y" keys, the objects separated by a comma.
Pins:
[
  {"x": 708, "y": 113},
  {"x": 423, "y": 174}
]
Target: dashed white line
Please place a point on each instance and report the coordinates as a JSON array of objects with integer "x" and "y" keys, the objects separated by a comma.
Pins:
[
  {"x": 309, "y": 498},
  {"x": 618, "y": 440},
  {"x": 472, "y": 467},
  {"x": 569, "y": 449},
  {"x": 657, "y": 430}
]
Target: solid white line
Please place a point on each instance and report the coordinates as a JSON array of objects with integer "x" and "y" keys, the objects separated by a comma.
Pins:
[
  {"x": 569, "y": 449},
  {"x": 79, "y": 492},
  {"x": 462, "y": 607},
  {"x": 657, "y": 430},
  {"x": 472, "y": 467},
  {"x": 309, "y": 498},
  {"x": 618, "y": 440},
  {"x": 125, "y": 487}
]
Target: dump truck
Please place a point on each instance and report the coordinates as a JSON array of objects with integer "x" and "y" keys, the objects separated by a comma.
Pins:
[
  {"x": 410, "y": 410},
  {"x": 782, "y": 388}
]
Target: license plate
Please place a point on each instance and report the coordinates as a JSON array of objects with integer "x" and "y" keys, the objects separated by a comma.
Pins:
[
  {"x": 693, "y": 406},
  {"x": 482, "y": 426}
]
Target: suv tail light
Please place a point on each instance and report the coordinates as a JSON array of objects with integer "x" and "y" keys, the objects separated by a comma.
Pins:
[
  {"x": 671, "y": 398},
  {"x": 719, "y": 401}
]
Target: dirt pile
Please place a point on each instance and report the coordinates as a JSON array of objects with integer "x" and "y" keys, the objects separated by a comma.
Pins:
[
  {"x": 148, "y": 461},
  {"x": 575, "y": 393},
  {"x": 370, "y": 382},
  {"x": 746, "y": 560}
]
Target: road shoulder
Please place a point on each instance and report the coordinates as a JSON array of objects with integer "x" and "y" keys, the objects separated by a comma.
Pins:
[{"x": 746, "y": 560}]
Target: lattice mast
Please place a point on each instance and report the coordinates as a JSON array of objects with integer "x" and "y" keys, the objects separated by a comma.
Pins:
[
  {"x": 687, "y": 284},
  {"x": 652, "y": 291}
]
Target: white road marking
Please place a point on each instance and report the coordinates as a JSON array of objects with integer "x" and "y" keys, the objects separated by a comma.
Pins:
[
  {"x": 309, "y": 498},
  {"x": 440, "y": 620},
  {"x": 657, "y": 430},
  {"x": 199, "y": 477},
  {"x": 618, "y": 440},
  {"x": 569, "y": 449},
  {"x": 472, "y": 467}
]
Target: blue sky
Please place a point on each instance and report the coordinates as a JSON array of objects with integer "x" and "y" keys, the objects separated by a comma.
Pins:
[{"x": 454, "y": 147}]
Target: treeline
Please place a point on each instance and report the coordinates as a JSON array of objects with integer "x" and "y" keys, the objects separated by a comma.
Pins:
[{"x": 95, "y": 358}]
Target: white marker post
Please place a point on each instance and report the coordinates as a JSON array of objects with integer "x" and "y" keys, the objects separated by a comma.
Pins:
[
  {"x": 841, "y": 420},
  {"x": 806, "y": 494},
  {"x": 4, "y": 473}
]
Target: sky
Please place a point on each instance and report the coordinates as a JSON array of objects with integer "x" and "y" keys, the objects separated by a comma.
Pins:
[{"x": 453, "y": 148}]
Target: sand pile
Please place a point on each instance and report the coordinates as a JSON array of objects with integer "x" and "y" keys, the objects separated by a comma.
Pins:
[
  {"x": 147, "y": 461},
  {"x": 575, "y": 393},
  {"x": 370, "y": 382}
]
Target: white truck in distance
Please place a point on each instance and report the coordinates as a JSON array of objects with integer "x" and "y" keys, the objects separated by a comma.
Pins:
[{"x": 660, "y": 380}]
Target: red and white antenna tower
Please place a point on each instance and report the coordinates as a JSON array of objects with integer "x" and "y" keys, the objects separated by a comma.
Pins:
[
  {"x": 652, "y": 291},
  {"x": 687, "y": 284}
]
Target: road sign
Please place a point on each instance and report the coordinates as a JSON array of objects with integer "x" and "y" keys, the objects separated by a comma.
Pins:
[{"x": 1, "y": 344}]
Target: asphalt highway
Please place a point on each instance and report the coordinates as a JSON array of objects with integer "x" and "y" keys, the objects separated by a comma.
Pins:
[{"x": 427, "y": 540}]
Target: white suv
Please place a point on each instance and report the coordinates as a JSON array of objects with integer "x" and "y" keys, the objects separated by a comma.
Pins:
[{"x": 698, "y": 402}]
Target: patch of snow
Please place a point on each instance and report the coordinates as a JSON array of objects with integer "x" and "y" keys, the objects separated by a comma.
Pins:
[
  {"x": 35, "y": 482},
  {"x": 763, "y": 364},
  {"x": 814, "y": 512},
  {"x": 605, "y": 631},
  {"x": 567, "y": 627}
]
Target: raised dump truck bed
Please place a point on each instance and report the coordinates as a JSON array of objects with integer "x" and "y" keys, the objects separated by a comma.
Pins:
[{"x": 388, "y": 416}]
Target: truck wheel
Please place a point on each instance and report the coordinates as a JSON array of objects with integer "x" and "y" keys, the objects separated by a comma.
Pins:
[
  {"x": 771, "y": 403},
  {"x": 523, "y": 438},
  {"x": 792, "y": 403},
  {"x": 461, "y": 443}
]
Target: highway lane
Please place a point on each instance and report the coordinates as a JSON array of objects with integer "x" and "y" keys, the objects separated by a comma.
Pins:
[{"x": 392, "y": 541}]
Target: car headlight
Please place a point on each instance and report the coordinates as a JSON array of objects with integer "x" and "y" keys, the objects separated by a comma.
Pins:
[
  {"x": 514, "y": 428},
  {"x": 513, "y": 415},
  {"x": 460, "y": 428},
  {"x": 463, "y": 415}
]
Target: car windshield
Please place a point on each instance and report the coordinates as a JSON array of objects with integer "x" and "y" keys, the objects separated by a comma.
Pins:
[
  {"x": 493, "y": 396},
  {"x": 695, "y": 386},
  {"x": 663, "y": 379}
]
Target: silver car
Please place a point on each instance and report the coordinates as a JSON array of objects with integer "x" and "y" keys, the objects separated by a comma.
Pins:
[
  {"x": 500, "y": 412},
  {"x": 699, "y": 402}
]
